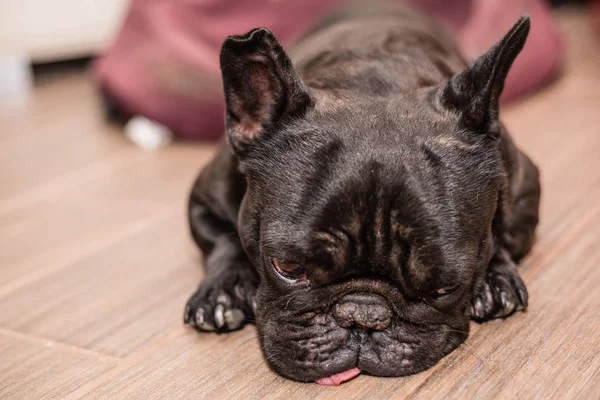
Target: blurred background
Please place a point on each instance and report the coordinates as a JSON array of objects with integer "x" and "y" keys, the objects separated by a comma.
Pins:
[
  {"x": 158, "y": 60},
  {"x": 38, "y": 32},
  {"x": 109, "y": 109},
  {"x": 59, "y": 30}
]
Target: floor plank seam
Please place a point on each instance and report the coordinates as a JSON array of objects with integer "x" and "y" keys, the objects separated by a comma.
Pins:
[
  {"x": 49, "y": 343},
  {"x": 168, "y": 294},
  {"x": 131, "y": 230},
  {"x": 571, "y": 236},
  {"x": 66, "y": 181},
  {"x": 125, "y": 363}
]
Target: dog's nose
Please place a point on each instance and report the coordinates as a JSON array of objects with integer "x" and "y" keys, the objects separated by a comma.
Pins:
[{"x": 363, "y": 310}]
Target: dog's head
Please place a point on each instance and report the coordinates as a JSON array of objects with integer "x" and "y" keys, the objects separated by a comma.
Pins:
[{"x": 370, "y": 219}]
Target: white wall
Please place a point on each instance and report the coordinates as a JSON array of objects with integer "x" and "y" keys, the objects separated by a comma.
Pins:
[{"x": 50, "y": 30}]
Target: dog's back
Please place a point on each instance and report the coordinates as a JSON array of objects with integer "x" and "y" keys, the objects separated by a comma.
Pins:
[{"x": 376, "y": 48}]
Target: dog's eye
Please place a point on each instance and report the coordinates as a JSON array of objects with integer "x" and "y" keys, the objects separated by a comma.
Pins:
[
  {"x": 445, "y": 291},
  {"x": 290, "y": 271}
]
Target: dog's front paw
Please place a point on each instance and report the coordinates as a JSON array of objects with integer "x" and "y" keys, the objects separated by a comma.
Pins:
[
  {"x": 502, "y": 292},
  {"x": 224, "y": 302}
]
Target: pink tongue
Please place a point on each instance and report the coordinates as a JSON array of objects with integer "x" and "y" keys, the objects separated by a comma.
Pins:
[{"x": 340, "y": 377}]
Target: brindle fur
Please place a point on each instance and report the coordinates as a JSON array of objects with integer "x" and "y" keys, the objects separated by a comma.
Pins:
[{"x": 378, "y": 162}]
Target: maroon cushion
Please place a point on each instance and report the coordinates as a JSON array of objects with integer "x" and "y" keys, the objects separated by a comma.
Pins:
[{"x": 163, "y": 63}]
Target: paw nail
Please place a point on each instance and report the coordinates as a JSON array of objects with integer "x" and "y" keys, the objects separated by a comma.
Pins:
[
  {"x": 478, "y": 308},
  {"x": 199, "y": 317},
  {"x": 523, "y": 298},
  {"x": 507, "y": 306},
  {"x": 186, "y": 315},
  {"x": 234, "y": 318},
  {"x": 206, "y": 327},
  {"x": 254, "y": 306},
  {"x": 223, "y": 298},
  {"x": 503, "y": 300},
  {"x": 219, "y": 318},
  {"x": 239, "y": 292},
  {"x": 489, "y": 298}
]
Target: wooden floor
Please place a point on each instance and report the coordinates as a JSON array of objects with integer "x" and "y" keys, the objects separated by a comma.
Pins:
[{"x": 96, "y": 263}]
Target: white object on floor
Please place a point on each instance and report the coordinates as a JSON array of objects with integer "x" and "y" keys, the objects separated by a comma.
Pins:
[
  {"x": 16, "y": 81},
  {"x": 147, "y": 134}
]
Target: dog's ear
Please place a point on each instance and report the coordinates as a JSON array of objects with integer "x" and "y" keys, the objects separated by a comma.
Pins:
[
  {"x": 261, "y": 86},
  {"x": 475, "y": 92}
]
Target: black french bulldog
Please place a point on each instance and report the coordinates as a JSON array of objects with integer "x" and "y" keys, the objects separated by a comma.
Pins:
[{"x": 369, "y": 201}]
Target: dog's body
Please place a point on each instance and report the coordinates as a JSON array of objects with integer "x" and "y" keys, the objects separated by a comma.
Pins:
[{"x": 369, "y": 202}]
